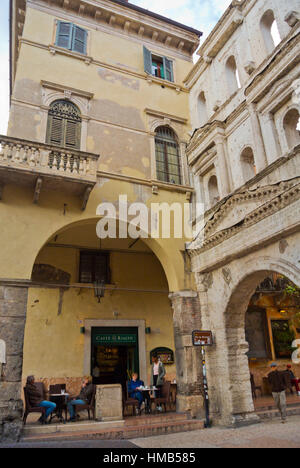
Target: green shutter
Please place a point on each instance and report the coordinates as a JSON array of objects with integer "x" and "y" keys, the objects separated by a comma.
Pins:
[
  {"x": 79, "y": 40},
  {"x": 147, "y": 61},
  {"x": 72, "y": 134},
  {"x": 168, "y": 66},
  {"x": 64, "y": 35},
  {"x": 55, "y": 131}
]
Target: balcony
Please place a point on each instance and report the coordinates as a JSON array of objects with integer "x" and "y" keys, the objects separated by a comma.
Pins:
[{"x": 44, "y": 167}]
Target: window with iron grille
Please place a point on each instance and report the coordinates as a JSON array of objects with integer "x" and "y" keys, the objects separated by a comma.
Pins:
[
  {"x": 64, "y": 125},
  {"x": 94, "y": 267},
  {"x": 167, "y": 156},
  {"x": 71, "y": 37}
]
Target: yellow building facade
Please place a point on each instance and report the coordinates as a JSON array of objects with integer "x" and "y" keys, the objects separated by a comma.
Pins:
[{"x": 96, "y": 92}]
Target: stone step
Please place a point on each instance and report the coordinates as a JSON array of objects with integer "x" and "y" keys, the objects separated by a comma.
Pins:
[
  {"x": 122, "y": 432},
  {"x": 272, "y": 406},
  {"x": 274, "y": 413},
  {"x": 156, "y": 419}
]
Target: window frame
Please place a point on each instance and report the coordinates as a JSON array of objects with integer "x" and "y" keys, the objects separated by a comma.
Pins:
[
  {"x": 72, "y": 37},
  {"x": 168, "y": 65},
  {"x": 94, "y": 254},
  {"x": 64, "y": 127},
  {"x": 165, "y": 162}
]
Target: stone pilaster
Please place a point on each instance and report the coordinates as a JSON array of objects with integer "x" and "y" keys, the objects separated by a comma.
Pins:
[
  {"x": 186, "y": 318},
  {"x": 13, "y": 306}
]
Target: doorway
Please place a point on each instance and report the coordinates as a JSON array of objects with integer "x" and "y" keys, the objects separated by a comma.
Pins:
[{"x": 114, "y": 355}]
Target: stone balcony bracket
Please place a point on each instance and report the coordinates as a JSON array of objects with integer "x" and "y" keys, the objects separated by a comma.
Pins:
[{"x": 44, "y": 167}]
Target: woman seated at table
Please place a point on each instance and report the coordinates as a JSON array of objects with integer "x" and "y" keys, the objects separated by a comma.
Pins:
[
  {"x": 134, "y": 391},
  {"x": 36, "y": 400},
  {"x": 84, "y": 398}
]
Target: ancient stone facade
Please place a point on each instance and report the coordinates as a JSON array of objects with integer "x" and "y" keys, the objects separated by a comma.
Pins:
[
  {"x": 245, "y": 163},
  {"x": 13, "y": 307}
]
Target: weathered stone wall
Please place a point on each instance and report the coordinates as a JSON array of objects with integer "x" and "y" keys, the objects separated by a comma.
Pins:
[
  {"x": 186, "y": 319},
  {"x": 13, "y": 306}
]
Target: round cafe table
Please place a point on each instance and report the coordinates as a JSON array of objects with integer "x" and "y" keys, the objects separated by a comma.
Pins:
[
  {"x": 60, "y": 399},
  {"x": 147, "y": 390}
]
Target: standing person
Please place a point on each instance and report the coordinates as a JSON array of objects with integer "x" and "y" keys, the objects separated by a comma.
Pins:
[
  {"x": 294, "y": 379},
  {"x": 36, "y": 399},
  {"x": 84, "y": 398},
  {"x": 278, "y": 385},
  {"x": 158, "y": 373}
]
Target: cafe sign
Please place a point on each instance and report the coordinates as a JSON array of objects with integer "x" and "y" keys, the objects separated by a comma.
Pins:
[{"x": 115, "y": 339}]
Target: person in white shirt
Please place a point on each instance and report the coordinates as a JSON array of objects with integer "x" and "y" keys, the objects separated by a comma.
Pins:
[{"x": 158, "y": 373}]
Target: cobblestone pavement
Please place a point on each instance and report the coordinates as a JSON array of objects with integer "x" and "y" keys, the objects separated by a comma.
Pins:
[{"x": 271, "y": 434}]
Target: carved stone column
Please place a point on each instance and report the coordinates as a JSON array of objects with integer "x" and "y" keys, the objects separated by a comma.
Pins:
[
  {"x": 223, "y": 166},
  {"x": 260, "y": 151},
  {"x": 186, "y": 318},
  {"x": 13, "y": 306}
]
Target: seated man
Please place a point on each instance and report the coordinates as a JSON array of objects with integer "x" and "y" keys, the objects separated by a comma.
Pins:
[
  {"x": 134, "y": 391},
  {"x": 295, "y": 382},
  {"x": 84, "y": 398},
  {"x": 36, "y": 399}
]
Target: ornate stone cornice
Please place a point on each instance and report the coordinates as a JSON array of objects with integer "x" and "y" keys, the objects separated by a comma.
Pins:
[{"x": 278, "y": 197}]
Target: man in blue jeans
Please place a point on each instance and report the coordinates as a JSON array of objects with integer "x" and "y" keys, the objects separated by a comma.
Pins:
[
  {"x": 84, "y": 398},
  {"x": 36, "y": 399}
]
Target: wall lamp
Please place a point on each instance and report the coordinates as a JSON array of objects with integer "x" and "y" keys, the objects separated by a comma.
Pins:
[{"x": 99, "y": 288}]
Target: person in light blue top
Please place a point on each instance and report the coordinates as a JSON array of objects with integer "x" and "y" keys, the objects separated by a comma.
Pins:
[{"x": 134, "y": 386}]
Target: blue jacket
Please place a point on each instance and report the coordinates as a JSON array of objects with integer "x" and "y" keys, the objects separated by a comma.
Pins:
[{"x": 132, "y": 386}]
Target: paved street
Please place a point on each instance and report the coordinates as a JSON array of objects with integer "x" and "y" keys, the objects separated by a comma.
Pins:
[{"x": 271, "y": 434}]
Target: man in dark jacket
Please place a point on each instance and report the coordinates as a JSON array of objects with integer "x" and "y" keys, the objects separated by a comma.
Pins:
[
  {"x": 278, "y": 385},
  {"x": 84, "y": 398},
  {"x": 35, "y": 399}
]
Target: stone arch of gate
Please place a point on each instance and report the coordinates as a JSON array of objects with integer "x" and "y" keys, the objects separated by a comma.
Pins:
[{"x": 254, "y": 272}]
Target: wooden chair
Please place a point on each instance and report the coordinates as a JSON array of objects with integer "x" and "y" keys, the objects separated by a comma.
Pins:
[
  {"x": 255, "y": 387},
  {"x": 31, "y": 409},
  {"x": 90, "y": 407},
  {"x": 128, "y": 401},
  {"x": 164, "y": 399}
]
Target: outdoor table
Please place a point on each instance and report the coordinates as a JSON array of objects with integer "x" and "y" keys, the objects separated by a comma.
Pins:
[
  {"x": 60, "y": 399},
  {"x": 147, "y": 390}
]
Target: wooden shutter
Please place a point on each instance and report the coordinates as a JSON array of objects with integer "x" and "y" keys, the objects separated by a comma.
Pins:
[
  {"x": 64, "y": 35},
  {"x": 168, "y": 66},
  {"x": 55, "y": 131},
  {"x": 71, "y": 134},
  {"x": 79, "y": 40},
  {"x": 147, "y": 61}
]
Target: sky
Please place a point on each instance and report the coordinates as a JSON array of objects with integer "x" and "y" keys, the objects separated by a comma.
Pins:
[{"x": 199, "y": 14}]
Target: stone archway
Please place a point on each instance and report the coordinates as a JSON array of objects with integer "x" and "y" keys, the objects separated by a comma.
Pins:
[{"x": 239, "y": 406}]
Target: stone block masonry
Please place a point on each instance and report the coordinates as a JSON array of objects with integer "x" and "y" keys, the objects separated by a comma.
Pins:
[{"x": 13, "y": 305}]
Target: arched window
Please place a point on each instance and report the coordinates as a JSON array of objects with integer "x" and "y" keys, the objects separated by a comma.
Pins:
[
  {"x": 213, "y": 190},
  {"x": 233, "y": 77},
  {"x": 248, "y": 164},
  {"x": 291, "y": 124},
  {"x": 167, "y": 156},
  {"x": 64, "y": 125},
  {"x": 202, "y": 109},
  {"x": 270, "y": 31}
]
